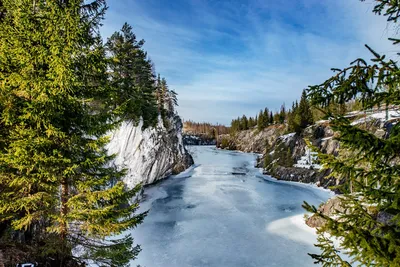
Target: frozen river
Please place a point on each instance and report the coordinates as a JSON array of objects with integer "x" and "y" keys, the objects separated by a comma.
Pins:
[{"x": 224, "y": 212}]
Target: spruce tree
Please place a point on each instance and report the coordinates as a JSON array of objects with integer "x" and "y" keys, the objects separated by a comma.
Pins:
[
  {"x": 54, "y": 176},
  {"x": 172, "y": 102},
  {"x": 244, "y": 123},
  {"x": 251, "y": 122},
  {"x": 292, "y": 125},
  {"x": 304, "y": 116},
  {"x": 276, "y": 118},
  {"x": 266, "y": 122},
  {"x": 369, "y": 227},
  {"x": 261, "y": 121},
  {"x": 159, "y": 98},
  {"x": 282, "y": 114},
  {"x": 132, "y": 78},
  {"x": 271, "y": 118},
  {"x": 168, "y": 100}
]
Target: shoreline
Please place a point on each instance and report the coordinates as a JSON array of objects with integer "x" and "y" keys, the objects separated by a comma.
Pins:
[{"x": 273, "y": 179}]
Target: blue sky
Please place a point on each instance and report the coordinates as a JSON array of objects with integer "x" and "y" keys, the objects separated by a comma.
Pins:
[{"x": 226, "y": 58}]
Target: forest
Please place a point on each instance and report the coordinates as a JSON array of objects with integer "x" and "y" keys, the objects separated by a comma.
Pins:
[
  {"x": 204, "y": 128},
  {"x": 297, "y": 118},
  {"x": 62, "y": 90}
]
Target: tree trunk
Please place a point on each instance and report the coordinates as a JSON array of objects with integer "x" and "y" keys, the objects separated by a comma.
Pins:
[
  {"x": 64, "y": 208},
  {"x": 63, "y": 214}
]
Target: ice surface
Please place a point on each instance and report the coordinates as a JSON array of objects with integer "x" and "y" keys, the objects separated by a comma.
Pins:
[{"x": 209, "y": 217}]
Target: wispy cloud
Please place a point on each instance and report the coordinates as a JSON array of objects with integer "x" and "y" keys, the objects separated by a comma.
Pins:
[{"x": 233, "y": 57}]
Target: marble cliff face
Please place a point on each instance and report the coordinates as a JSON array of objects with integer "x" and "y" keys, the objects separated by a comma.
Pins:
[{"x": 151, "y": 154}]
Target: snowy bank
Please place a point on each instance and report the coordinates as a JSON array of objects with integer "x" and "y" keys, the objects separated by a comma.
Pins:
[{"x": 293, "y": 228}]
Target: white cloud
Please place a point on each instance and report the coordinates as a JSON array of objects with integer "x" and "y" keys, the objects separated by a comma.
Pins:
[{"x": 273, "y": 57}]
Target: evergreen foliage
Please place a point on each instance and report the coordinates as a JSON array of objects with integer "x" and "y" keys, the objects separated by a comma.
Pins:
[
  {"x": 369, "y": 228},
  {"x": 261, "y": 121},
  {"x": 166, "y": 100},
  {"x": 244, "y": 123},
  {"x": 132, "y": 79},
  {"x": 204, "y": 128},
  {"x": 300, "y": 116},
  {"x": 251, "y": 123},
  {"x": 59, "y": 97},
  {"x": 264, "y": 119},
  {"x": 282, "y": 114},
  {"x": 271, "y": 118}
]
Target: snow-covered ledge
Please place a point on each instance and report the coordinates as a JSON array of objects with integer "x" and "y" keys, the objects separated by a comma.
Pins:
[{"x": 308, "y": 161}]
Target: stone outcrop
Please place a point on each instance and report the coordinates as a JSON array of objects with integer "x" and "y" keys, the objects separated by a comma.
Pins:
[
  {"x": 301, "y": 175},
  {"x": 251, "y": 140},
  {"x": 329, "y": 208},
  {"x": 198, "y": 140},
  {"x": 151, "y": 154},
  {"x": 281, "y": 151},
  {"x": 335, "y": 204},
  {"x": 279, "y": 158}
]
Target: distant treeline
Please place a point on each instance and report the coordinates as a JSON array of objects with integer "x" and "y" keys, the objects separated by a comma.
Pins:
[
  {"x": 264, "y": 118},
  {"x": 298, "y": 117},
  {"x": 204, "y": 128}
]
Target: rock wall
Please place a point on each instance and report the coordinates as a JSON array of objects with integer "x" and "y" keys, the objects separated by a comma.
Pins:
[
  {"x": 301, "y": 175},
  {"x": 198, "y": 140},
  {"x": 281, "y": 151},
  {"x": 337, "y": 205},
  {"x": 279, "y": 159},
  {"x": 151, "y": 154},
  {"x": 329, "y": 209},
  {"x": 251, "y": 140}
]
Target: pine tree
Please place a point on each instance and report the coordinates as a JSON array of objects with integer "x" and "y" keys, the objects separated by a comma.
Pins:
[
  {"x": 159, "y": 97},
  {"x": 233, "y": 127},
  {"x": 369, "y": 228},
  {"x": 164, "y": 91},
  {"x": 251, "y": 122},
  {"x": 292, "y": 125},
  {"x": 172, "y": 101},
  {"x": 260, "y": 121},
  {"x": 276, "y": 118},
  {"x": 54, "y": 180},
  {"x": 265, "y": 118},
  {"x": 244, "y": 123},
  {"x": 301, "y": 116},
  {"x": 304, "y": 111},
  {"x": 271, "y": 118},
  {"x": 132, "y": 78},
  {"x": 282, "y": 114},
  {"x": 168, "y": 98}
]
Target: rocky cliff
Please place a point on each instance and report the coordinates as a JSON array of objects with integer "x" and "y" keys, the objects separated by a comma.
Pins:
[
  {"x": 151, "y": 154},
  {"x": 198, "y": 140},
  {"x": 337, "y": 205},
  {"x": 281, "y": 158},
  {"x": 251, "y": 140},
  {"x": 280, "y": 151}
]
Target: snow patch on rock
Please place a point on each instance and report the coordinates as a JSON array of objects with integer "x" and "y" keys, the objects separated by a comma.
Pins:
[
  {"x": 287, "y": 137},
  {"x": 381, "y": 115}
]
